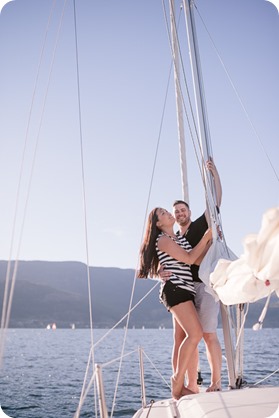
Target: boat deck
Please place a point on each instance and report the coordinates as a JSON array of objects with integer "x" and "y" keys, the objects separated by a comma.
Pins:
[{"x": 256, "y": 402}]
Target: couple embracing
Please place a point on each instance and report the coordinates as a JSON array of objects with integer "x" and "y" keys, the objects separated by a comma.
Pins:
[{"x": 176, "y": 257}]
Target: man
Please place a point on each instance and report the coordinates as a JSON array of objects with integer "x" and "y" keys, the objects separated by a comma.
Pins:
[{"x": 206, "y": 306}]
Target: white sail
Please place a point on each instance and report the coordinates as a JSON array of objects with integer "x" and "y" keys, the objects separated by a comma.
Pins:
[
  {"x": 217, "y": 251},
  {"x": 256, "y": 273}
]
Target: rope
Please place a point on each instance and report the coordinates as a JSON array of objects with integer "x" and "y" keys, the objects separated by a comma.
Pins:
[
  {"x": 240, "y": 339},
  {"x": 259, "y": 324},
  {"x": 242, "y": 326},
  {"x": 262, "y": 380},
  {"x": 150, "y": 406}
]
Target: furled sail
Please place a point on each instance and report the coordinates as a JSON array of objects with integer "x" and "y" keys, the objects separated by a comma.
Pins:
[
  {"x": 218, "y": 250},
  {"x": 256, "y": 273}
]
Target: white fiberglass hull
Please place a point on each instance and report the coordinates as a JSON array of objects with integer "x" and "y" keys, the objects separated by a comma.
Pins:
[{"x": 256, "y": 402}]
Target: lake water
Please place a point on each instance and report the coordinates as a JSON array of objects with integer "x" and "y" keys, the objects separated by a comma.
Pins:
[{"x": 43, "y": 370}]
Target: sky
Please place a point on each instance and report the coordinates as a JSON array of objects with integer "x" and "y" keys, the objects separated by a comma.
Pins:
[{"x": 107, "y": 107}]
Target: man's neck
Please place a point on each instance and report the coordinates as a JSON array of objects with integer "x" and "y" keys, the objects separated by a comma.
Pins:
[{"x": 184, "y": 228}]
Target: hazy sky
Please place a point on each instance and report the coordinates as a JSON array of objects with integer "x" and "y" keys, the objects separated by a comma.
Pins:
[{"x": 124, "y": 61}]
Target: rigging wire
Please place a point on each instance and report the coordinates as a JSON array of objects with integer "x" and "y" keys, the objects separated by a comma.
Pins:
[
  {"x": 3, "y": 319},
  {"x": 145, "y": 217},
  {"x": 153, "y": 170},
  {"x": 8, "y": 303},
  {"x": 124, "y": 341},
  {"x": 125, "y": 316},
  {"x": 204, "y": 132},
  {"x": 146, "y": 211},
  {"x": 151, "y": 182},
  {"x": 238, "y": 96},
  {"x": 184, "y": 78},
  {"x": 86, "y": 391},
  {"x": 84, "y": 198},
  {"x": 144, "y": 222},
  {"x": 130, "y": 309},
  {"x": 191, "y": 118}
]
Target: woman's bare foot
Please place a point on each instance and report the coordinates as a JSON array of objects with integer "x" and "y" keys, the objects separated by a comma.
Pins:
[
  {"x": 186, "y": 391},
  {"x": 194, "y": 389},
  {"x": 176, "y": 389}
]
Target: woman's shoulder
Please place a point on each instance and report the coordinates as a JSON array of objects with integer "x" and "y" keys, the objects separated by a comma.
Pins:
[
  {"x": 164, "y": 241},
  {"x": 160, "y": 237},
  {"x": 167, "y": 237}
]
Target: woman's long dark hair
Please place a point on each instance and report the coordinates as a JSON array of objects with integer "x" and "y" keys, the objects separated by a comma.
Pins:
[{"x": 148, "y": 256}]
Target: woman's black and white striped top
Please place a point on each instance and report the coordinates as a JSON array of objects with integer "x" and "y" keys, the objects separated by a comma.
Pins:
[{"x": 181, "y": 272}]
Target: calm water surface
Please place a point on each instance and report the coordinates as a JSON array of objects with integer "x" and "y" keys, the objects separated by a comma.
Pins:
[{"x": 43, "y": 370}]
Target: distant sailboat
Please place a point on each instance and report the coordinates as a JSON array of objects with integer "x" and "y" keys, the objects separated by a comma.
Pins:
[{"x": 51, "y": 326}]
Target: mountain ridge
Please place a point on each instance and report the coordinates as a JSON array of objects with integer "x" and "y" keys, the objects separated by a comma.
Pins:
[{"x": 57, "y": 291}]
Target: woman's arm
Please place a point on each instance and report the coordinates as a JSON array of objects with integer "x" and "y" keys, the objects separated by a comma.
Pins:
[{"x": 170, "y": 247}]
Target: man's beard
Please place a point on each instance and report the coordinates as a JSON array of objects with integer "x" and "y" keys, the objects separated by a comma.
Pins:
[{"x": 184, "y": 222}]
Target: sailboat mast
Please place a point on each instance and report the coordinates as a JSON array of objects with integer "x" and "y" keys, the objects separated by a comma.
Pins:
[
  {"x": 204, "y": 138},
  {"x": 179, "y": 107},
  {"x": 202, "y": 121}
]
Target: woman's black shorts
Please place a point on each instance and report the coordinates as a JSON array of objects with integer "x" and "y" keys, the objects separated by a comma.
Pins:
[{"x": 172, "y": 295}]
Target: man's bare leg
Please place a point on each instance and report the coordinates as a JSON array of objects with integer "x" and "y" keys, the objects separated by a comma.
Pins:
[{"x": 214, "y": 356}]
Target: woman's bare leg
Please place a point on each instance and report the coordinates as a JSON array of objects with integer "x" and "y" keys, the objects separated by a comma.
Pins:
[
  {"x": 178, "y": 337},
  {"x": 186, "y": 316}
]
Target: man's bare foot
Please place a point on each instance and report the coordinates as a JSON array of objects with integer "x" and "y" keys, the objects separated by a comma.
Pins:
[{"x": 214, "y": 387}]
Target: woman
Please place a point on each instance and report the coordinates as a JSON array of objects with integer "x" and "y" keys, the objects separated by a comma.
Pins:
[{"x": 161, "y": 246}]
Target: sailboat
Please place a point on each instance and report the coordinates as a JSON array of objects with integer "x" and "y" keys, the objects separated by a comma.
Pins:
[
  {"x": 237, "y": 401},
  {"x": 235, "y": 281}
]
